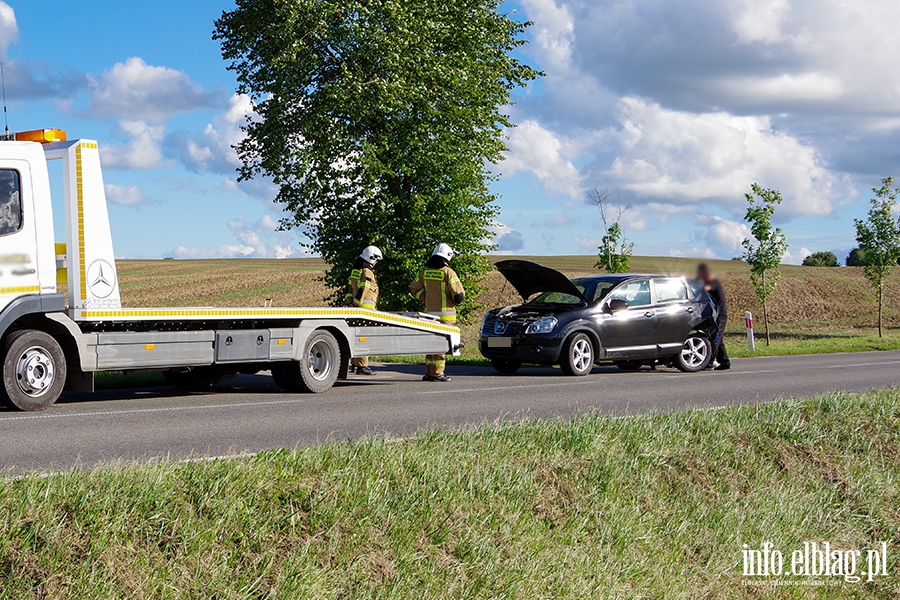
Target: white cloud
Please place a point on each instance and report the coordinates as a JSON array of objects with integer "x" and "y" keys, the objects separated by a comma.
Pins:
[
  {"x": 142, "y": 151},
  {"x": 9, "y": 29},
  {"x": 552, "y": 32},
  {"x": 675, "y": 156},
  {"x": 587, "y": 245},
  {"x": 723, "y": 237},
  {"x": 694, "y": 252},
  {"x": 534, "y": 149},
  {"x": 760, "y": 20},
  {"x": 126, "y": 195},
  {"x": 212, "y": 150},
  {"x": 135, "y": 91},
  {"x": 254, "y": 240},
  {"x": 507, "y": 239},
  {"x": 797, "y": 258}
]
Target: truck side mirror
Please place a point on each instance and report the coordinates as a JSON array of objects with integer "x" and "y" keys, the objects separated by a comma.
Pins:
[{"x": 616, "y": 305}]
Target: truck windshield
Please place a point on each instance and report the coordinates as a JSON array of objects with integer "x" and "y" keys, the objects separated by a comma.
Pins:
[{"x": 591, "y": 288}]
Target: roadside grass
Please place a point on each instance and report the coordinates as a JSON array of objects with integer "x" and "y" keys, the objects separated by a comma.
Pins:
[{"x": 652, "y": 506}]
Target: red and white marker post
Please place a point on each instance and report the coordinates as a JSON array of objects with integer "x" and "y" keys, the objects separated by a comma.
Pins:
[{"x": 751, "y": 343}]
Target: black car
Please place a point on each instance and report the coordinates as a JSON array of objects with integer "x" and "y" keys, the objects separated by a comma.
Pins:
[{"x": 629, "y": 319}]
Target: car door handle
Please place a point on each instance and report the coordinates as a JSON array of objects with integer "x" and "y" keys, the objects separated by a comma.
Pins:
[
  {"x": 24, "y": 272},
  {"x": 648, "y": 314}
]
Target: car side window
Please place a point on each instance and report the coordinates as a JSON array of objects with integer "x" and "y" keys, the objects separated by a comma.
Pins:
[
  {"x": 670, "y": 290},
  {"x": 10, "y": 202},
  {"x": 635, "y": 293}
]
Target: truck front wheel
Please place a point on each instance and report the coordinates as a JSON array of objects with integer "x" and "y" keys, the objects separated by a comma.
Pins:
[
  {"x": 317, "y": 369},
  {"x": 34, "y": 370}
]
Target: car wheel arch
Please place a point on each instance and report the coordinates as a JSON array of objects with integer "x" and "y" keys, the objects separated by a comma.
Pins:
[{"x": 583, "y": 327}]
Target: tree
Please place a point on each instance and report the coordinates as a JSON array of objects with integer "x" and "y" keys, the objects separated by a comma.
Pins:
[
  {"x": 376, "y": 121},
  {"x": 614, "y": 250},
  {"x": 765, "y": 253},
  {"x": 856, "y": 258},
  {"x": 821, "y": 259},
  {"x": 879, "y": 238}
]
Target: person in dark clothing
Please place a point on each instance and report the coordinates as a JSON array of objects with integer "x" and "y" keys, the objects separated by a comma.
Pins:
[{"x": 717, "y": 293}]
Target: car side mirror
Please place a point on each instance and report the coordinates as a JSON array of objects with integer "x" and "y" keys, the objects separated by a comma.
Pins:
[{"x": 617, "y": 305}]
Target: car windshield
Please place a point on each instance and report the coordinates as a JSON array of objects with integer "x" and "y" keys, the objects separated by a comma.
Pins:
[{"x": 592, "y": 288}]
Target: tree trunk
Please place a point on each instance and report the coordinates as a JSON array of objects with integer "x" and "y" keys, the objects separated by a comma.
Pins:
[
  {"x": 766, "y": 312},
  {"x": 880, "y": 305}
]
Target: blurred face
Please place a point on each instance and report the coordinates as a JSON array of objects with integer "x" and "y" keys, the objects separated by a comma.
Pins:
[{"x": 704, "y": 275}]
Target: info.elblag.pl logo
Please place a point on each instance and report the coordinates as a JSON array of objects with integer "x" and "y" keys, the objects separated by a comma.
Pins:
[{"x": 817, "y": 560}]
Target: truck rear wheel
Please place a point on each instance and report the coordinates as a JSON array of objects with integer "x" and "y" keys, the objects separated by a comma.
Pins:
[
  {"x": 34, "y": 370},
  {"x": 316, "y": 371}
]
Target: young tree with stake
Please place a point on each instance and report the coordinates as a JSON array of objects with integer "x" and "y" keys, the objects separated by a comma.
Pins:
[
  {"x": 879, "y": 240},
  {"x": 764, "y": 252},
  {"x": 377, "y": 120}
]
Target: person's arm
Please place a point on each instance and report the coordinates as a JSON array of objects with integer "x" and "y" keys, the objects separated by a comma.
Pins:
[
  {"x": 417, "y": 288},
  {"x": 455, "y": 289}
]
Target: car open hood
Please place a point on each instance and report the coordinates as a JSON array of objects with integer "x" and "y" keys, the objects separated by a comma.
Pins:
[{"x": 530, "y": 278}]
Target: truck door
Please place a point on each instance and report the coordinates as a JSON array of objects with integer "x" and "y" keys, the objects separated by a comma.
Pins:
[{"x": 18, "y": 238}]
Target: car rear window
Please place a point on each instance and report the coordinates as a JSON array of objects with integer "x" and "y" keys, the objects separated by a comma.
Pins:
[{"x": 670, "y": 290}]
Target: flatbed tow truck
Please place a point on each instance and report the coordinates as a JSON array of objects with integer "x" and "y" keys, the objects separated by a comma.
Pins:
[{"x": 52, "y": 342}]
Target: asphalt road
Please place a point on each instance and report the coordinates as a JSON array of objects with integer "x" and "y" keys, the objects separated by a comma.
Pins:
[{"x": 249, "y": 413}]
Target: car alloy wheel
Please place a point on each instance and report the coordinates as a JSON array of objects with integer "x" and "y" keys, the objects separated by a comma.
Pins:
[
  {"x": 695, "y": 353},
  {"x": 578, "y": 355}
]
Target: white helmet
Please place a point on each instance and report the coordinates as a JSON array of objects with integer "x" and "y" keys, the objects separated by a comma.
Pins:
[
  {"x": 444, "y": 251},
  {"x": 371, "y": 254}
]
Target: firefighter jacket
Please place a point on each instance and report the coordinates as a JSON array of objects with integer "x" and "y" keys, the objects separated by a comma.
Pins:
[
  {"x": 438, "y": 288},
  {"x": 362, "y": 288}
]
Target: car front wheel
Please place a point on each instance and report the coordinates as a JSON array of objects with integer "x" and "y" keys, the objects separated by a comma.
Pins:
[
  {"x": 577, "y": 355},
  {"x": 695, "y": 353}
]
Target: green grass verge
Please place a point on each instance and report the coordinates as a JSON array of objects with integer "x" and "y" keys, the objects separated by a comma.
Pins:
[{"x": 654, "y": 506}]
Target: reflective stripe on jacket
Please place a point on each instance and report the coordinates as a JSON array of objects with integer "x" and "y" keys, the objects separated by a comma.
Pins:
[
  {"x": 437, "y": 287},
  {"x": 363, "y": 288}
]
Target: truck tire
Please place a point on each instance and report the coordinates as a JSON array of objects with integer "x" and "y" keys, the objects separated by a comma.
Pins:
[
  {"x": 316, "y": 371},
  {"x": 695, "y": 354},
  {"x": 198, "y": 379},
  {"x": 507, "y": 367},
  {"x": 34, "y": 370},
  {"x": 577, "y": 355}
]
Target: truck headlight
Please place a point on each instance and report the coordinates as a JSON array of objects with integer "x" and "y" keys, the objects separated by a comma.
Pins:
[{"x": 544, "y": 325}]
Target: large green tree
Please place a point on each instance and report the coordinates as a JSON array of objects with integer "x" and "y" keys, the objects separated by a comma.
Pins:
[
  {"x": 879, "y": 240},
  {"x": 376, "y": 121},
  {"x": 767, "y": 247}
]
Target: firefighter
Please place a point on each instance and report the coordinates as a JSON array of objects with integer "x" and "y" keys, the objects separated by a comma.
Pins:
[
  {"x": 362, "y": 291},
  {"x": 439, "y": 288}
]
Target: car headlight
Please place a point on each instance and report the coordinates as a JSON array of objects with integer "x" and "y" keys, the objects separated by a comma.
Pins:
[{"x": 544, "y": 325}]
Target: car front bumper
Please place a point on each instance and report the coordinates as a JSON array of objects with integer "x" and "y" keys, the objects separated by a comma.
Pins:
[{"x": 536, "y": 350}]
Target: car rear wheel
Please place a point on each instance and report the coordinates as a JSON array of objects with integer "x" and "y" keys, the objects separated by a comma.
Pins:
[
  {"x": 629, "y": 365},
  {"x": 507, "y": 367},
  {"x": 695, "y": 353},
  {"x": 577, "y": 355}
]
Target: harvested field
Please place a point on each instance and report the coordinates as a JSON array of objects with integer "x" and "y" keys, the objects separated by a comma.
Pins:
[{"x": 806, "y": 296}]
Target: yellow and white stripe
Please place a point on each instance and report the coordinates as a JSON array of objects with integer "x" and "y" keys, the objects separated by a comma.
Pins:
[{"x": 147, "y": 314}]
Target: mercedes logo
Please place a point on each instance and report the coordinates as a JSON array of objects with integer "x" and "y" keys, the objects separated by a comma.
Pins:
[{"x": 101, "y": 279}]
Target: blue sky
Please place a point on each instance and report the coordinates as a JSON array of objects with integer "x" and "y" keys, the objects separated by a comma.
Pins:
[{"x": 676, "y": 108}]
